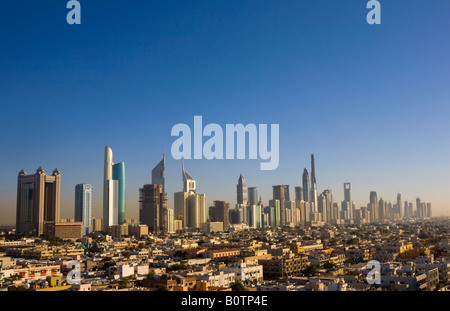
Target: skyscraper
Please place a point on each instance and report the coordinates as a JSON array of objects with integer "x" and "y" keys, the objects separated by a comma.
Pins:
[
  {"x": 152, "y": 205},
  {"x": 241, "y": 188},
  {"x": 328, "y": 194},
  {"x": 399, "y": 205},
  {"x": 314, "y": 193},
  {"x": 347, "y": 192},
  {"x": 219, "y": 213},
  {"x": 253, "y": 196},
  {"x": 119, "y": 175},
  {"x": 113, "y": 191},
  {"x": 373, "y": 204},
  {"x": 190, "y": 207},
  {"x": 299, "y": 193},
  {"x": 279, "y": 194},
  {"x": 189, "y": 184},
  {"x": 158, "y": 173},
  {"x": 38, "y": 201},
  {"x": 305, "y": 181},
  {"x": 83, "y": 206}
]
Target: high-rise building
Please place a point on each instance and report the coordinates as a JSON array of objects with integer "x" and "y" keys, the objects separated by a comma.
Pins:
[
  {"x": 219, "y": 213},
  {"x": 153, "y": 207},
  {"x": 189, "y": 207},
  {"x": 241, "y": 188},
  {"x": 287, "y": 197},
  {"x": 419, "y": 208},
  {"x": 373, "y": 205},
  {"x": 328, "y": 194},
  {"x": 274, "y": 213},
  {"x": 399, "y": 205},
  {"x": 347, "y": 191},
  {"x": 113, "y": 191},
  {"x": 119, "y": 175},
  {"x": 299, "y": 193},
  {"x": 189, "y": 183},
  {"x": 83, "y": 206},
  {"x": 279, "y": 194},
  {"x": 305, "y": 181},
  {"x": 38, "y": 201},
  {"x": 314, "y": 192},
  {"x": 381, "y": 209},
  {"x": 158, "y": 173},
  {"x": 253, "y": 196}
]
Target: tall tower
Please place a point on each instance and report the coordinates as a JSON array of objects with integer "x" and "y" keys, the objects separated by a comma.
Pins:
[
  {"x": 347, "y": 191},
  {"x": 83, "y": 206},
  {"x": 305, "y": 180},
  {"x": 38, "y": 201},
  {"x": 278, "y": 194},
  {"x": 119, "y": 175},
  {"x": 241, "y": 188},
  {"x": 253, "y": 196},
  {"x": 373, "y": 205},
  {"x": 158, "y": 173},
  {"x": 399, "y": 205},
  {"x": 189, "y": 184},
  {"x": 152, "y": 202},
  {"x": 314, "y": 193},
  {"x": 113, "y": 191}
]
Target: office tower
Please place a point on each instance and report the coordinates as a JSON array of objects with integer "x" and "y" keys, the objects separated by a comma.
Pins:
[
  {"x": 410, "y": 209},
  {"x": 219, "y": 213},
  {"x": 429, "y": 210},
  {"x": 299, "y": 193},
  {"x": 328, "y": 194},
  {"x": 275, "y": 213},
  {"x": 381, "y": 209},
  {"x": 336, "y": 211},
  {"x": 419, "y": 209},
  {"x": 399, "y": 205},
  {"x": 38, "y": 201},
  {"x": 373, "y": 205},
  {"x": 170, "y": 220},
  {"x": 233, "y": 216},
  {"x": 119, "y": 175},
  {"x": 153, "y": 207},
  {"x": 190, "y": 207},
  {"x": 253, "y": 196},
  {"x": 314, "y": 193},
  {"x": 83, "y": 206},
  {"x": 305, "y": 181},
  {"x": 241, "y": 188},
  {"x": 254, "y": 216},
  {"x": 158, "y": 173},
  {"x": 287, "y": 197},
  {"x": 278, "y": 194},
  {"x": 97, "y": 224},
  {"x": 189, "y": 183},
  {"x": 113, "y": 191},
  {"x": 322, "y": 207},
  {"x": 347, "y": 192}
]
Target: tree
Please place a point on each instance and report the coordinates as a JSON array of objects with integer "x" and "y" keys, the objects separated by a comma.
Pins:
[
  {"x": 309, "y": 270},
  {"x": 237, "y": 287}
]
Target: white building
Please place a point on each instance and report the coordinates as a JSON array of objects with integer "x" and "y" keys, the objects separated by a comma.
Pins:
[{"x": 246, "y": 273}]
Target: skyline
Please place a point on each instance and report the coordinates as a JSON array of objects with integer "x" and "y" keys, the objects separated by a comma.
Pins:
[
  {"x": 338, "y": 195},
  {"x": 371, "y": 102}
]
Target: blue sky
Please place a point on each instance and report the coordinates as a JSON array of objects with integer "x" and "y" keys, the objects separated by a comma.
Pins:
[{"x": 370, "y": 101}]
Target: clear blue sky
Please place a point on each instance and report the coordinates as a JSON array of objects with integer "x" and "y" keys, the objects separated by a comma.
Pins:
[{"x": 371, "y": 102}]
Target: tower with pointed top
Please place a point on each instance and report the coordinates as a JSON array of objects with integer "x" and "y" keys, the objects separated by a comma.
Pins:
[
  {"x": 241, "y": 188},
  {"x": 38, "y": 201},
  {"x": 113, "y": 191},
  {"x": 314, "y": 193},
  {"x": 158, "y": 173}
]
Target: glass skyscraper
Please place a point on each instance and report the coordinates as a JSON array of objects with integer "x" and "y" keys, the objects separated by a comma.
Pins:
[
  {"x": 83, "y": 206},
  {"x": 119, "y": 175}
]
